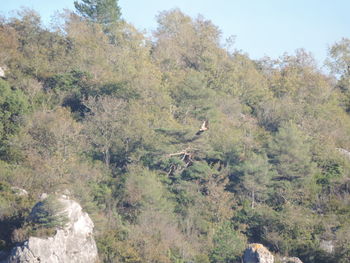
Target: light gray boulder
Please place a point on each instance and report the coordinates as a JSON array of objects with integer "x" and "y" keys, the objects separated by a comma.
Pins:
[
  {"x": 327, "y": 246},
  {"x": 73, "y": 244},
  {"x": 257, "y": 253},
  {"x": 2, "y": 72},
  {"x": 291, "y": 260}
]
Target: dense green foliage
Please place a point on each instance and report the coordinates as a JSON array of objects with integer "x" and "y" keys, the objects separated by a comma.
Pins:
[
  {"x": 96, "y": 107},
  {"x": 13, "y": 106},
  {"x": 49, "y": 213},
  {"x": 100, "y": 11},
  {"x": 45, "y": 218}
]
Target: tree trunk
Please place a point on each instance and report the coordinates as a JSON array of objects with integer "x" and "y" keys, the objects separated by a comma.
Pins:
[{"x": 107, "y": 157}]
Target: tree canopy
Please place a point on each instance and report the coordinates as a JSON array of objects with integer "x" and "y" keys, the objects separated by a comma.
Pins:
[
  {"x": 112, "y": 114},
  {"x": 99, "y": 11}
]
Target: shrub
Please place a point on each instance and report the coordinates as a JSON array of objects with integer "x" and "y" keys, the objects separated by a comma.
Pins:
[{"x": 49, "y": 213}]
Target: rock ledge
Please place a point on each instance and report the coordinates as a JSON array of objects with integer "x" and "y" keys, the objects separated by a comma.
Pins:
[
  {"x": 72, "y": 244},
  {"x": 257, "y": 253}
]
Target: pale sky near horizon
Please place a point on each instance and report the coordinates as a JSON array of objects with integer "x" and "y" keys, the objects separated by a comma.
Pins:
[{"x": 262, "y": 27}]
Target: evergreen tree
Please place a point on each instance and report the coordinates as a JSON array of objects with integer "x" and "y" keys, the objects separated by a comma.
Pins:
[
  {"x": 49, "y": 214},
  {"x": 228, "y": 246},
  {"x": 290, "y": 153},
  {"x": 99, "y": 11}
]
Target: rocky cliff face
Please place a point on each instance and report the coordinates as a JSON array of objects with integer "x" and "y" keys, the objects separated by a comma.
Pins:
[
  {"x": 74, "y": 243},
  {"x": 257, "y": 253}
]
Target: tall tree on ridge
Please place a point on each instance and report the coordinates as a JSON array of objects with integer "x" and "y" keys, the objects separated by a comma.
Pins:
[{"x": 99, "y": 11}]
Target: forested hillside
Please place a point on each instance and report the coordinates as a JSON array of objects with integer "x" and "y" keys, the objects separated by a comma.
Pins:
[{"x": 96, "y": 107}]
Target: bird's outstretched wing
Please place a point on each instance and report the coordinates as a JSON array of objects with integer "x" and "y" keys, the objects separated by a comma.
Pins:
[{"x": 204, "y": 127}]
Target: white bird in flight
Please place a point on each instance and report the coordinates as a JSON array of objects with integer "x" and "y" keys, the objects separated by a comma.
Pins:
[{"x": 204, "y": 127}]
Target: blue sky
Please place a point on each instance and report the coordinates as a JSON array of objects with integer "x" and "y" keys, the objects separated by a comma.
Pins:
[{"x": 261, "y": 27}]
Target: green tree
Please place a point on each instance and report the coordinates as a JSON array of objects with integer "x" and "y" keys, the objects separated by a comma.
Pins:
[
  {"x": 49, "y": 214},
  {"x": 70, "y": 89},
  {"x": 339, "y": 63},
  {"x": 339, "y": 60},
  {"x": 256, "y": 176},
  {"x": 13, "y": 107},
  {"x": 104, "y": 127},
  {"x": 51, "y": 145},
  {"x": 228, "y": 245},
  {"x": 290, "y": 153},
  {"x": 99, "y": 11},
  {"x": 42, "y": 52},
  {"x": 185, "y": 43}
]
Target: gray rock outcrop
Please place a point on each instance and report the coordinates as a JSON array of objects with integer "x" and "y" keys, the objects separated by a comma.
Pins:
[
  {"x": 327, "y": 246},
  {"x": 72, "y": 244},
  {"x": 291, "y": 260},
  {"x": 257, "y": 253},
  {"x": 2, "y": 72}
]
